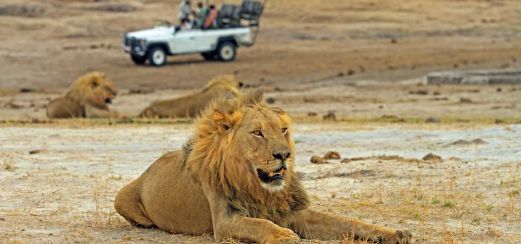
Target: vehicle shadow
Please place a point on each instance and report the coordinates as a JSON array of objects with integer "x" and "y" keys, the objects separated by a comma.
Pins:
[{"x": 186, "y": 62}]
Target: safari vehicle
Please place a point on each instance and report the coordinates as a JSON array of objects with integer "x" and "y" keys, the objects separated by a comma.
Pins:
[{"x": 236, "y": 26}]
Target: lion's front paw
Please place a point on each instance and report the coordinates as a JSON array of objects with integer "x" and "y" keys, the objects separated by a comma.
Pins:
[{"x": 282, "y": 235}]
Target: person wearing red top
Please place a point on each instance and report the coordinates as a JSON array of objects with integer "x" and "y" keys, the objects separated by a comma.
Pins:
[{"x": 210, "y": 19}]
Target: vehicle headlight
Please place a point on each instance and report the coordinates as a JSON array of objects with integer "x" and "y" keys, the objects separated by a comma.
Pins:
[{"x": 126, "y": 40}]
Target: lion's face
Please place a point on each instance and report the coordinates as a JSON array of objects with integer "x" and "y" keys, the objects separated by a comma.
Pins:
[
  {"x": 94, "y": 89},
  {"x": 261, "y": 137},
  {"x": 265, "y": 140},
  {"x": 103, "y": 90}
]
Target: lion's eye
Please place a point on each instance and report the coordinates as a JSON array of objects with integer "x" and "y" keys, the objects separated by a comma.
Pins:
[
  {"x": 257, "y": 133},
  {"x": 284, "y": 130}
]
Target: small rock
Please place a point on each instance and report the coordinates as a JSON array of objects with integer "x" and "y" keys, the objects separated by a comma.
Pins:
[
  {"x": 330, "y": 116},
  {"x": 140, "y": 91},
  {"x": 459, "y": 142},
  {"x": 332, "y": 155},
  {"x": 478, "y": 141},
  {"x": 394, "y": 41},
  {"x": 345, "y": 161},
  {"x": 341, "y": 74},
  {"x": 465, "y": 100},
  {"x": 2, "y": 219},
  {"x": 26, "y": 90},
  {"x": 499, "y": 89},
  {"x": 270, "y": 100},
  {"x": 432, "y": 120},
  {"x": 432, "y": 157},
  {"x": 36, "y": 151},
  {"x": 312, "y": 114},
  {"x": 499, "y": 121},
  {"x": 318, "y": 160},
  {"x": 350, "y": 72},
  {"x": 436, "y": 93},
  {"x": 419, "y": 92}
]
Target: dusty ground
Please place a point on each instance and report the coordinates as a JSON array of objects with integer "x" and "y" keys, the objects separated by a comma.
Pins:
[
  {"x": 60, "y": 181},
  {"x": 52, "y": 42},
  {"x": 361, "y": 59}
]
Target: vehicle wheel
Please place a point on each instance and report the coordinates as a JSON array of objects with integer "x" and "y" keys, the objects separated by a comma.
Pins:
[
  {"x": 208, "y": 56},
  {"x": 227, "y": 51},
  {"x": 157, "y": 56},
  {"x": 138, "y": 59}
]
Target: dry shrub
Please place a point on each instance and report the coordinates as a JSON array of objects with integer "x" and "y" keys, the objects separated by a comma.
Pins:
[
  {"x": 113, "y": 7},
  {"x": 23, "y": 10}
]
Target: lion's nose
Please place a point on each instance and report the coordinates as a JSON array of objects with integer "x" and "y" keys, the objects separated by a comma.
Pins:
[{"x": 282, "y": 155}]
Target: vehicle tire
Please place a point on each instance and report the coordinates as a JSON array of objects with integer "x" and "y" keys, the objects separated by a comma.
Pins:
[
  {"x": 209, "y": 56},
  {"x": 156, "y": 56},
  {"x": 227, "y": 51},
  {"x": 139, "y": 60}
]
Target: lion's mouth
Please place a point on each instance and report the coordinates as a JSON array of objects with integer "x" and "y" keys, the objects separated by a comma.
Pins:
[
  {"x": 108, "y": 100},
  {"x": 268, "y": 177}
]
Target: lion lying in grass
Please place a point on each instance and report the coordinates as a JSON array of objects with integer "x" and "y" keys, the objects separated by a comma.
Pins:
[
  {"x": 87, "y": 98},
  {"x": 236, "y": 178},
  {"x": 191, "y": 105}
]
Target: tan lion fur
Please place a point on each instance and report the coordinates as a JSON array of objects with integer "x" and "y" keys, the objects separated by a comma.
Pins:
[
  {"x": 191, "y": 105},
  {"x": 87, "y": 98},
  {"x": 214, "y": 184}
]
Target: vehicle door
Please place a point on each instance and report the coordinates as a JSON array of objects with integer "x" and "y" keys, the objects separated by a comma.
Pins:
[{"x": 189, "y": 41}]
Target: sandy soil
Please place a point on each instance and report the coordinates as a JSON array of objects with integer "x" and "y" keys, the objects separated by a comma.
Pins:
[
  {"x": 52, "y": 42},
  {"x": 60, "y": 183}
]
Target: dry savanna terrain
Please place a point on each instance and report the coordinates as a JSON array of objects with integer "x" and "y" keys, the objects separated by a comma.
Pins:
[{"x": 350, "y": 73}]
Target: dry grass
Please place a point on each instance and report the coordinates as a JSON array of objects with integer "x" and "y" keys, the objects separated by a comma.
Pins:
[
  {"x": 452, "y": 207},
  {"x": 8, "y": 165}
]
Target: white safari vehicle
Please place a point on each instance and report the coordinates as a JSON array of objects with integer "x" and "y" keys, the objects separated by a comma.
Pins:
[{"x": 236, "y": 26}]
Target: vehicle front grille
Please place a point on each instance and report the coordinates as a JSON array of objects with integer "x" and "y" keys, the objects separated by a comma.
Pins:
[{"x": 127, "y": 41}]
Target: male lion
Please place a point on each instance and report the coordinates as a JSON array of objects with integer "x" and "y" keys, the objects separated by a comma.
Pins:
[
  {"x": 87, "y": 97},
  {"x": 191, "y": 105},
  {"x": 236, "y": 178}
]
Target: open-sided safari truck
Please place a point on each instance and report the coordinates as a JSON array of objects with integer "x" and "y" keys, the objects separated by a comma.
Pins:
[{"x": 236, "y": 26}]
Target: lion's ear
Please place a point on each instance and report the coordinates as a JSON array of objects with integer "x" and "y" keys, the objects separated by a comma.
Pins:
[
  {"x": 253, "y": 97},
  {"x": 221, "y": 120},
  {"x": 226, "y": 116}
]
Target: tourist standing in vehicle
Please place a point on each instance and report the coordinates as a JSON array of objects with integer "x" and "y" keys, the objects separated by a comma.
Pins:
[
  {"x": 200, "y": 14},
  {"x": 210, "y": 19},
  {"x": 184, "y": 11}
]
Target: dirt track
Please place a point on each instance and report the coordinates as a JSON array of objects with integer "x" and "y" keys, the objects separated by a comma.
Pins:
[{"x": 60, "y": 183}]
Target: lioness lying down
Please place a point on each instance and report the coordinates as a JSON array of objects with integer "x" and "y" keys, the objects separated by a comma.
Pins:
[
  {"x": 87, "y": 97},
  {"x": 190, "y": 106},
  {"x": 236, "y": 178}
]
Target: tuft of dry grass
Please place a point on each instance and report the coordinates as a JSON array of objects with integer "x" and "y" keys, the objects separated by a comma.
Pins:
[{"x": 8, "y": 166}]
